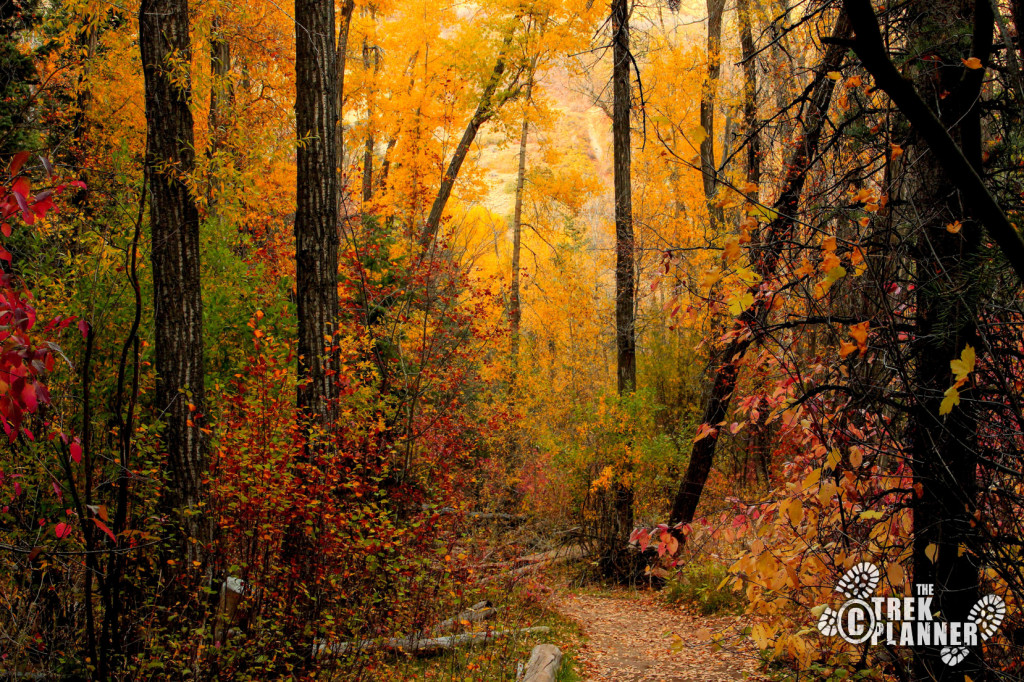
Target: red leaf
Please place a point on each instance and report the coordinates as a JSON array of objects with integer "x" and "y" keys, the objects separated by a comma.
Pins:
[
  {"x": 83, "y": 327},
  {"x": 17, "y": 162},
  {"x": 6, "y": 229},
  {"x": 103, "y": 527},
  {"x": 76, "y": 452},
  {"x": 62, "y": 530}
]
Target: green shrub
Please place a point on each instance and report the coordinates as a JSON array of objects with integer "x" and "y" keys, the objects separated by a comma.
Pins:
[{"x": 697, "y": 584}]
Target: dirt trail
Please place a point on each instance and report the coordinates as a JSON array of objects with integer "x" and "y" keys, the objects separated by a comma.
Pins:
[{"x": 631, "y": 638}]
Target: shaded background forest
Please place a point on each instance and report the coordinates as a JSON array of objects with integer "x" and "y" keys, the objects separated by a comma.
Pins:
[{"x": 315, "y": 318}]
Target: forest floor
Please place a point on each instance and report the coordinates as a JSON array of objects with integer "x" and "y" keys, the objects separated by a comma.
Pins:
[{"x": 634, "y": 636}]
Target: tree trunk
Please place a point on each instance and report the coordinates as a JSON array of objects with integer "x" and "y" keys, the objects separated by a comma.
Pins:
[
  {"x": 708, "y": 168},
  {"x": 370, "y": 56},
  {"x": 514, "y": 309},
  {"x": 347, "y": 7},
  {"x": 484, "y": 111},
  {"x": 316, "y": 231},
  {"x": 174, "y": 219},
  {"x": 750, "y": 121},
  {"x": 625, "y": 267},
  {"x": 765, "y": 255},
  {"x": 944, "y": 449},
  {"x": 220, "y": 98}
]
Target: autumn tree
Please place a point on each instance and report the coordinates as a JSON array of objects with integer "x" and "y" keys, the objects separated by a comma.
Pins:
[
  {"x": 174, "y": 221},
  {"x": 625, "y": 269},
  {"x": 316, "y": 219}
]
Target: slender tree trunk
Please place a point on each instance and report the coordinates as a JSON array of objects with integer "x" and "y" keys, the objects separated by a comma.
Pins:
[
  {"x": 625, "y": 332},
  {"x": 625, "y": 267},
  {"x": 347, "y": 7},
  {"x": 484, "y": 111},
  {"x": 766, "y": 253},
  {"x": 750, "y": 121},
  {"x": 316, "y": 230},
  {"x": 515, "y": 310},
  {"x": 371, "y": 57},
  {"x": 709, "y": 170},
  {"x": 220, "y": 99},
  {"x": 174, "y": 220},
  {"x": 944, "y": 449}
]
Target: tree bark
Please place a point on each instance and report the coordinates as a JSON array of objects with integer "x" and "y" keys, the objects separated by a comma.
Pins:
[
  {"x": 484, "y": 111},
  {"x": 515, "y": 312},
  {"x": 765, "y": 254},
  {"x": 316, "y": 231},
  {"x": 709, "y": 170},
  {"x": 174, "y": 220},
  {"x": 625, "y": 331},
  {"x": 750, "y": 121},
  {"x": 944, "y": 449},
  {"x": 347, "y": 7},
  {"x": 370, "y": 57},
  {"x": 220, "y": 99},
  {"x": 625, "y": 269}
]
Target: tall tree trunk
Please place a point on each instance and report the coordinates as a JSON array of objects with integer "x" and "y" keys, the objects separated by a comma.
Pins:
[
  {"x": 750, "y": 121},
  {"x": 515, "y": 312},
  {"x": 944, "y": 449},
  {"x": 174, "y": 220},
  {"x": 371, "y": 57},
  {"x": 316, "y": 230},
  {"x": 220, "y": 98},
  {"x": 347, "y": 7},
  {"x": 484, "y": 111},
  {"x": 708, "y": 168},
  {"x": 766, "y": 253},
  {"x": 625, "y": 268}
]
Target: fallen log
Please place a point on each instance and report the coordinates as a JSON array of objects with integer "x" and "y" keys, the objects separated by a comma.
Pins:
[
  {"x": 536, "y": 562},
  {"x": 418, "y": 645},
  {"x": 476, "y": 613},
  {"x": 545, "y": 660}
]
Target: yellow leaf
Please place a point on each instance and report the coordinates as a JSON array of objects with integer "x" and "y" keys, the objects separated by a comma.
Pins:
[
  {"x": 740, "y": 304},
  {"x": 710, "y": 277},
  {"x": 833, "y": 459},
  {"x": 795, "y": 511},
  {"x": 732, "y": 250},
  {"x": 952, "y": 397},
  {"x": 859, "y": 333},
  {"x": 954, "y": 227},
  {"x": 965, "y": 365},
  {"x": 699, "y": 135},
  {"x": 895, "y": 574},
  {"x": 845, "y": 348},
  {"x": 856, "y": 457},
  {"x": 932, "y": 552},
  {"x": 897, "y": 151},
  {"x": 834, "y": 75},
  {"x": 972, "y": 63}
]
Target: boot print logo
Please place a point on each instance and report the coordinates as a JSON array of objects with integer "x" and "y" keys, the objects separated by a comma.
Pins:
[{"x": 906, "y": 621}]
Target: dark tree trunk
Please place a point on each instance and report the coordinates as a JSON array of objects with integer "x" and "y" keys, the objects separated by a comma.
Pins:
[
  {"x": 220, "y": 100},
  {"x": 371, "y": 57},
  {"x": 708, "y": 168},
  {"x": 316, "y": 230},
  {"x": 750, "y": 122},
  {"x": 765, "y": 256},
  {"x": 944, "y": 449},
  {"x": 515, "y": 311},
  {"x": 174, "y": 219},
  {"x": 625, "y": 268},
  {"x": 625, "y": 331},
  {"x": 484, "y": 111},
  {"x": 347, "y": 7}
]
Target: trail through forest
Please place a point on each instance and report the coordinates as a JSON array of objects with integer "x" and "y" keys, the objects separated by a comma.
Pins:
[{"x": 633, "y": 636}]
